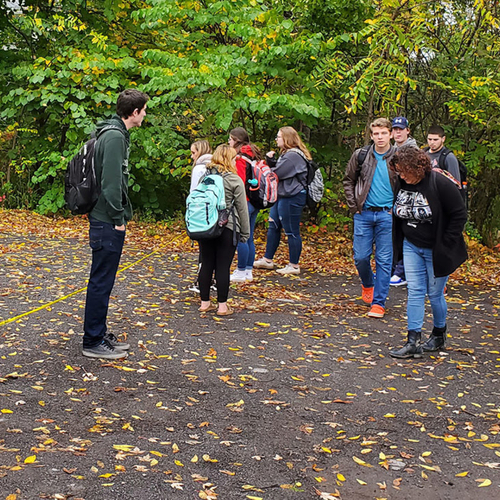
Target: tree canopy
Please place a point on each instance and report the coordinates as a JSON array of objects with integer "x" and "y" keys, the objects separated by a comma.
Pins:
[{"x": 326, "y": 68}]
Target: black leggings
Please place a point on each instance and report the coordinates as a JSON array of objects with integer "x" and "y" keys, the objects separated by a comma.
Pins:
[{"x": 216, "y": 255}]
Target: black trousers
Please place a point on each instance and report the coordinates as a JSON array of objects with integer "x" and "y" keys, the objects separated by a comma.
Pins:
[
  {"x": 107, "y": 245},
  {"x": 216, "y": 255}
]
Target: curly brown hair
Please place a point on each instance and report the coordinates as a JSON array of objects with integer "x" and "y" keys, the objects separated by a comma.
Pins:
[{"x": 413, "y": 163}]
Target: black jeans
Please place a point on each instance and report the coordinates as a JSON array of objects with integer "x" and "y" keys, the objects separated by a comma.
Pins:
[
  {"x": 107, "y": 244},
  {"x": 216, "y": 255}
]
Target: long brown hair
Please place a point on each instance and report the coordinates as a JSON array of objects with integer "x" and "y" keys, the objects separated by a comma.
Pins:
[
  {"x": 223, "y": 159},
  {"x": 241, "y": 138},
  {"x": 291, "y": 139}
]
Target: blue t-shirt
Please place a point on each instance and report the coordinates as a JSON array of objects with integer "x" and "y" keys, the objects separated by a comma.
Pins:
[{"x": 380, "y": 194}]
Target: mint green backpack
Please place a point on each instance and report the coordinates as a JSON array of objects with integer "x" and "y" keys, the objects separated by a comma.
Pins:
[{"x": 206, "y": 212}]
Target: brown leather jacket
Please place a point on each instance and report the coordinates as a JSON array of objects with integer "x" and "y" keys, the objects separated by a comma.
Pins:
[{"x": 357, "y": 182}]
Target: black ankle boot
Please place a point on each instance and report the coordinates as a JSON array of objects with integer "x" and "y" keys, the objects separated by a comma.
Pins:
[
  {"x": 436, "y": 341},
  {"x": 411, "y": 349}
]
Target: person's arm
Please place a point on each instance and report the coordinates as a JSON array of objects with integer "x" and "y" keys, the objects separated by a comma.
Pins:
[
  {"x": 350, "y": 180},
  {"x": 197, "y": 173},
  {"x": 288, "y": 166},
  {"x": 453, "y": 206},
  {"x": 452, "y": 166},
  {"x": 114, "y": 152},
  {"x": 240, "y": 202}
]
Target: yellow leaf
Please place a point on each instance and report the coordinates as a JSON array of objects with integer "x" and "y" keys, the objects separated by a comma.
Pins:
[
  {"x": 11, "y": 497},
  {"x": 390, "y": 415},
  {"x": 194, "y": 459},
  {"x": 7, "y": 411},
  {"x": 251, "y": 497},
  {"x": 340, "y": 477},
  {"x": 179, "y": 463},
  {"x": 30, "y": 460},
  {"x": 360, "y": 482},
  {"x": 123, "y": 447},
  {"x": 426, "y": 453},
  {"x": 153, "y": 462},
  {"x": 361, "y": 462},
  {"x": 105, "y": 476},
  {"x": 462, "y": 474},
  {"x": 486, "y": 482}
]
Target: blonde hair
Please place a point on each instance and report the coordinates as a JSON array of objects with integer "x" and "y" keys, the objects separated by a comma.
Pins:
[
  {"x": 291, "y": 139},
  {"x": 201, "y": 148},
  {"x": 223, "y": 159},
  {"x": 382, "y": 123}
]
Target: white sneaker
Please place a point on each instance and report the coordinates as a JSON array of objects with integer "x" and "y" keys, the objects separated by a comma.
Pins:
[
  {"x": 238, "y": 276},
  {"x": 397, "y": 281},
  {"x": 289, "y": 269},
  {"x": 248, "y": 275},
  {"x": 263, "y": 264}
]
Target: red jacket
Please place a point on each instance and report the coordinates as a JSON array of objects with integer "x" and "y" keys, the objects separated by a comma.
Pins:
[{"x": 241, "y": 164}]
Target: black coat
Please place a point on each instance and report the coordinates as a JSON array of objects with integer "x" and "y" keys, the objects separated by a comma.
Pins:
[{"x": 449, "y": 216}]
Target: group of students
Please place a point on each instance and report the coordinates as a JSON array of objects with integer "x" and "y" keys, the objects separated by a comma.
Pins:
[
  {"x": 408, "y": 208},
  {"x": 233, "y": 161}
]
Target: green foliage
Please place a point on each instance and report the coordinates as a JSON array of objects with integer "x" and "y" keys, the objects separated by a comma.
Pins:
[{"x": 326, "y": 68}]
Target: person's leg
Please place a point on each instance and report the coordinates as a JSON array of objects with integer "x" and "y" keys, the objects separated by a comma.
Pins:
[
  {"x": 243, "y": 251},
  {"x": 439, "y": 307},
  {"x": 223, "y": 257},
  {"x": 416, "y": 275},
  {"x": 399, "y": 270},
  {"x": 207, "y": 248},
  {"x": 290, "y": 215},
  {"x": 252, "y": 212},
  {"x": 107, "y": 244},
  {"x": 274, "y": 231},
  {"x": 363, "y": 246},
  {"x": 383, "y": 256}
]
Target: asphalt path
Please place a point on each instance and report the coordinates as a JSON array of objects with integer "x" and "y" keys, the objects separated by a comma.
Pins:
[{"x": 292, "y": 397}]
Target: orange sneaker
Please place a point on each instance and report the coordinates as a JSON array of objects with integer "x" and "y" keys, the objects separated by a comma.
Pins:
[
  {"x": 367, "y": 294},
  {"x": 376, "y": 311}
]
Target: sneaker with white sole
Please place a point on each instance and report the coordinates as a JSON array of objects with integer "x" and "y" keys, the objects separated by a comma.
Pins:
[
  {"x": 104, "y": 350},
  {"x": 248, "y": 275},
  {"x": 117, "y": 344},
  {"x": 238, "y": 276},
  {"x": 397, "y": 281},
  {"x": 194, "y": 288},
  {"x": 289, "y": 269},
  {"x": 263, "y": 264}
]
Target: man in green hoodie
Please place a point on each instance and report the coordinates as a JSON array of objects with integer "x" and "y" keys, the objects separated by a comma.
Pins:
[{"x": 108, "y": 220}]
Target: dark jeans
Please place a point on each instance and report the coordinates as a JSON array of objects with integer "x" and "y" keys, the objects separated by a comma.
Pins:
[
  {"x": 286, "y": 214},
  {"x": 216, "y": 255},
  {"x": 107, "y": 244},
  {"x": 399, "y": 269},
  {"x": 246, "y": 251}
]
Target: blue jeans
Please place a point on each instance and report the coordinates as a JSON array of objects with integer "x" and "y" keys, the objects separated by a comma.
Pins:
[
  {"x": 285, "y": 214},
  {"x": 421, "y": 282},
  {"x": 107, "y": 245},
  {"x": 374, "y": 228},
  {"x": 246, "y": 251}
]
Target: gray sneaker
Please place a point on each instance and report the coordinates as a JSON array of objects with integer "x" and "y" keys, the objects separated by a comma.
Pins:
[
  {"x": 104, "y": 351},
  {"x": 113, "y": 340}
]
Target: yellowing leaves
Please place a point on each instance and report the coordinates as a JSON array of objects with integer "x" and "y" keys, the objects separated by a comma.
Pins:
[
  {"x": 361, "y": 462},
  {"x": 484, "y": 482},
  {"x": 29, "y": 460}
]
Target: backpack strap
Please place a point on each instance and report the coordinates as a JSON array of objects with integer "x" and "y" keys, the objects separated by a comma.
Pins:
[
  {"x": 442, "y": 158},
  {"x": 363, "y": 153}
]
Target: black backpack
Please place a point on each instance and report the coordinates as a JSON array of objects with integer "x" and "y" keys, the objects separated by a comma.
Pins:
[{"x": 81, "y": 187}]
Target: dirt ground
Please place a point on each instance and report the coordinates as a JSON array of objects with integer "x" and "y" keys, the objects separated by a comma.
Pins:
[{"x": 292, "y": 397}]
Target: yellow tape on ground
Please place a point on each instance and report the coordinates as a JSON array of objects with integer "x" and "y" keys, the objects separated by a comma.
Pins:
[{"x": 45, "y": 306}]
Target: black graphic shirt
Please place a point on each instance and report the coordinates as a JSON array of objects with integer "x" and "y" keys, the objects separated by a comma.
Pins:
[{"x": 413, "y": 207}]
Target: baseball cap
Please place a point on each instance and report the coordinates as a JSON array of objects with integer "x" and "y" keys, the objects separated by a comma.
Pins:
[{"x": 400, "y": 122}]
